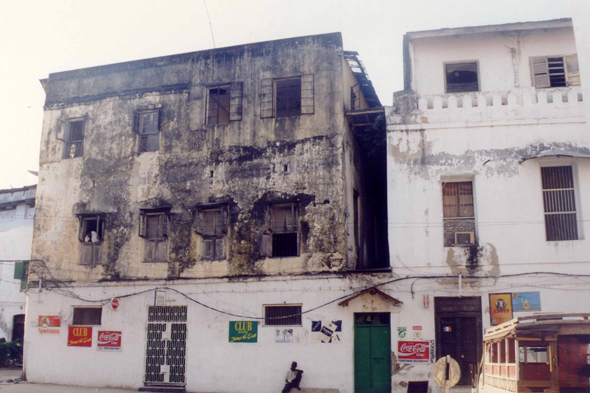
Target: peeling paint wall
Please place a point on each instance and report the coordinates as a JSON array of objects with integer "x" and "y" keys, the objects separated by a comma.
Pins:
[{"x": 241, "y": 164}]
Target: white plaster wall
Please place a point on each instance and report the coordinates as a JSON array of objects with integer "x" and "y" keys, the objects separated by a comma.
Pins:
[
  {"x": 16, "y": 233},
  {"x": 493, "y": 53}
]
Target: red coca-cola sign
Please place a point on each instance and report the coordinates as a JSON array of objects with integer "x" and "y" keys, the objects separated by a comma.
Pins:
[
  {"x": 109, "y": 341},
  {"x": 413, "y": 351}
]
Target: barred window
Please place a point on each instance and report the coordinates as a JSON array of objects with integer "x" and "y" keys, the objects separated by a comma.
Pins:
[
  {"x": 287, "y": 315},
  {"x": 559, "y": 203},
  {"x": 458, "y": 199},
  {"x": 87, "y": 316}
]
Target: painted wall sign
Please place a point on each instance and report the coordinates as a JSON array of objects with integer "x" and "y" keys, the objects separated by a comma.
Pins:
[
  {"x": 109, "y": 341},
  {"x": 401, "y": 332},
  {"x": 283, "y": 335},
  {"x": 49, "y": 324},
  {"x": 79, "y": 336},
  {"x": 243, "y": 331},
  {"x": 526, "y": 301},
  {"x": 327, "y": 332},
  {"x": 413, "y": 351},
  {"x": 500, "y": 308}
]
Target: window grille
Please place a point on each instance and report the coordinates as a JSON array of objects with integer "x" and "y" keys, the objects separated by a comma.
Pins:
[
  {"x": 559, "y": 203},
  {"x": 87, "y": 316},
  {"x": 458, "y": 199},
  {"x": 282, "y": 315}
]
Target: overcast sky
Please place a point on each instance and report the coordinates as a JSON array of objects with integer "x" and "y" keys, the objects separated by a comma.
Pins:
[{"x": 38, "y": 37}]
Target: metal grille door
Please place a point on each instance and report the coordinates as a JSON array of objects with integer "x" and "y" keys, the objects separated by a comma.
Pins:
[{"x": 166, "y": 346}]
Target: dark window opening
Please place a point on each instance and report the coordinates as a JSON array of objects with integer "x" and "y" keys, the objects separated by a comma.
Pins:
[
  {"x": 288, "y": 101},
  {"x": 218, "y": 104},
  {"x": 559, "y": 203},
  {"x": 462, "y": 77},
  {"x": 87, "y": 316},
  {"x": 149, "y": 131},
  {"x": 282, "y": 315},
  {"x": 74, "y": 146},
  {"x": 284, "y": 228},
  {"x": 374, "y": 318},
  {"x": 284, "y": 245},
  {"x": 418, "y": 387},
  {"x": 556, "y": 71},
  {"x": 18, "y": 328}
]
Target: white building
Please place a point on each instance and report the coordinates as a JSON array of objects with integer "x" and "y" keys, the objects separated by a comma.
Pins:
[
  {"x": 17, "y": 210},
  {"x": 488, "y": 192}
]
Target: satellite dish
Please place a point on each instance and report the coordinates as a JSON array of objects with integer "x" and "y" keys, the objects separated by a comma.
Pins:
[{"x": 447, "y": 372}]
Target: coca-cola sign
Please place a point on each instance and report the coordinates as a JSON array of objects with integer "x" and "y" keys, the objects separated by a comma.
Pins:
[
  {"x": 109, "y": 341},
  {"x": 413, "y": 351}
]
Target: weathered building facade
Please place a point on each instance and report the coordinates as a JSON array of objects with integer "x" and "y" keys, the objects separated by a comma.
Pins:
[
  {"x": 17, "y": 209},
  {"x": 231, "y": 181},
  {"x": 487, "y": 154}
]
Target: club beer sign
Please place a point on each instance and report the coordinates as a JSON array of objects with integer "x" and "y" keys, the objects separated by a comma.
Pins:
[
  {"x": 243, "y": 332},
  {"x": 413, "y": 351},
  {"x": 79, "y": 336}
]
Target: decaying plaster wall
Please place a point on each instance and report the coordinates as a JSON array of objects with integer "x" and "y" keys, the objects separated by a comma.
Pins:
[{"x": 245, "y": 164}]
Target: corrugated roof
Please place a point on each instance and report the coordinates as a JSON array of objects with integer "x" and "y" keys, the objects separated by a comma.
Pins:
[{"x": 555, "y": 153}]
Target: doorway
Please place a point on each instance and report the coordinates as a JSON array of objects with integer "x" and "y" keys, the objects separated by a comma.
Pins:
[
  {"x": 372, "y": 353},
  {"x": 459, "y": 333}
]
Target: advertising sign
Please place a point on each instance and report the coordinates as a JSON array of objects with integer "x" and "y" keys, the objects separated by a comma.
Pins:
[
  {"x": 109, "y": 341},
  {"x": 326, "y": 332},
  {"x": 49, "y": 324},
  {"x": 413, "y": 351},
  {"x": 115, "y": 303},
  {"x": 526, "y": 301},
  {"x": 243, "y": 332},
  {"x": 79, "y": 336},
  {"x": 500, "y": 308}
]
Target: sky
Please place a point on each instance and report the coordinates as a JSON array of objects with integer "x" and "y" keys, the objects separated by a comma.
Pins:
[{"x": 39, "y": 37}]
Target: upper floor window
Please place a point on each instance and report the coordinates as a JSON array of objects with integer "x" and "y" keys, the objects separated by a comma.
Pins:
[
  {"x": 286, "y": 97},
  {"x": 559, "y": 203},
  {"x": 556, "y": 71},
  {"x": 90, "y": 234},
  {"x": 87, "y": 316},
  {"x": 153, "y": 227},
  {"x": 282, "y": 315},
  {"x": 462, "y": 77},
  {"x": 212, "y": 226},
  {"x": 74, "y": 141},
  {"x": 458, "y": 213},
  {"x": 224, "y": 103},
  {"x": 283, "y": 240},
  {"x": 147, "y": 125}
]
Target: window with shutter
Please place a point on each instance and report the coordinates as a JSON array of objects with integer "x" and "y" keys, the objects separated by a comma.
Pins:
[
  {"x": 154, "y": 228},
  {"x": 218, "y": 104},
  {"x": 555, "y": 71},
  {"x": 91, "y": 235},
  {"x": 236, "y": 94},
  {"x": 74, "y": 141},
  {"x": 284, "y": 229},
  {"x": 212, "y": 226},
  {"x": 149, "y": 131},
  {"x": 559, "y": 203},
  {"x": 288, "y": 100}
]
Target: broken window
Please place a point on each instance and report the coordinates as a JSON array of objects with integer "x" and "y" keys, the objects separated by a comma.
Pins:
[
  {"x": 212, "y": 226},
  {"x": 87, "y": 316},
  {"x": 557, "y": 71},
  {"x": 283, "y": 240},
  {"x": 153, "y": 227},
  {"x": 224, "y": 103},
  {"x": 462, "y": 77},
  {"x": 458, "y": 213},
  {"x": 283, "y": 315},
  {"x": 287, "y": 97},
  {"x": 147, "y": 125},
  {"x": 90, "y": 235},
  {"x": 74, "y": 142},
  {"x": 559, "y": 203}
]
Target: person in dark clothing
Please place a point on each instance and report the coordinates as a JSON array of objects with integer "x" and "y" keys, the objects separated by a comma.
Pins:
[{"x": 293, "y": 378}]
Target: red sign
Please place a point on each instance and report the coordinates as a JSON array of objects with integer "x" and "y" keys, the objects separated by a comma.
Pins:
[
  {"x": 115, "y": 303},
  {"x": 109, "y": 341},
  {"x": 413, "y": 351},
  {"x": 417, "y": 327},
  {"x": 79, "y": 336},
  {"x": 49, "y": 321}
]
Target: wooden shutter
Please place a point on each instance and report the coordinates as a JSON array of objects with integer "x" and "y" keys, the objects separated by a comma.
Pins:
[
  {"x": 164, "y": 223},
  {"x": 540, "y": 72},
  {"x": 307, "y": 95},
  {"x": 199, "y": 222},
  {"x": 224, "y": 223},
  {"x": 266, "y": 98},
  {"x": 266, "y": 245},
  {"x": 277, "y": 219},
  {"x": 291, "y": 219},
  {"x": 220, "y": 248},
  {"x": 572, "y": 70},
  {"x": 158, "y": 120},
  {"x": 161, "y": 253},
  {"x": 86, "y": 254},
  {"x": 81, "y": 229},
  {"x": 235, "y": 105},
  {"x": 150, "y": 250},
  {"x": 136, "y": 120},
  {"x": 208, "y": 246},
  {"x": 208, "y": 223},
  {"x": 151, "y": 142},
  {"x": 142, "y": 232},
  {"x": 96, "y": 254},
  {"x": 20, "y": 270}
]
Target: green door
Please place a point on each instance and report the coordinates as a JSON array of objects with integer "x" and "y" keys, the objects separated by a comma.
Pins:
[{"x": 372, "y": 353}]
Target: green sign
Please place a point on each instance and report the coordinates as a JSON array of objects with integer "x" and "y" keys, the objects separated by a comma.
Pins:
[{"x": 243, "y": 332}]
